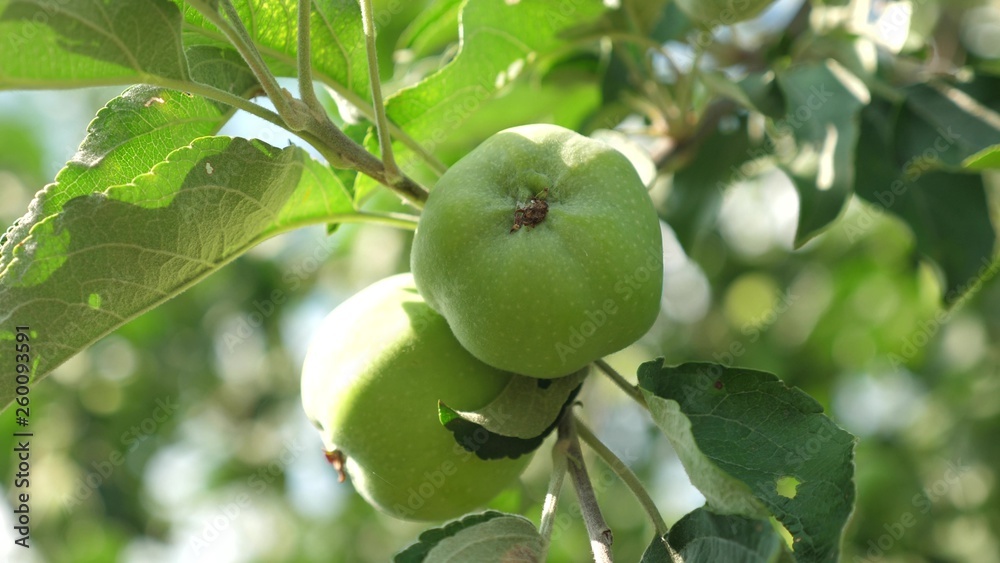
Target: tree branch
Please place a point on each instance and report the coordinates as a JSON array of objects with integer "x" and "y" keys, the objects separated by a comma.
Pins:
[
  {"x": 600, "y": 534},
  {"x": 626, "y": 475},
  {"x": 552, "y": 495}
]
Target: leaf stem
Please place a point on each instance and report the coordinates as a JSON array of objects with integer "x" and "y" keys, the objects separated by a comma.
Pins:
[
  {"x": 381, "y": 122},
  {"x": 304, "y": 59},
  {"x": 219, "y": 95},
  {"x": 600, "y": 534},
  {"x": 342, "y": 148},
  {"x": 399, "y": 220},
  {"x": 336, "y": 147},
  {"x": 234, "y": 30},
  {"x": 629, "y": 389},
  {"x": 297, "y": 117},
  {"x": 397, "y": 132},
  {"x": 559, "y": 464},
  {"x": 625, "y": 474},
  {"x": 366, "y": 109}
]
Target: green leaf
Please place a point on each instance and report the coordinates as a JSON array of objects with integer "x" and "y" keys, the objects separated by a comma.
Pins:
[
  {"x": 432, "y": 29},
  {"x": 22, "y": 150},
  {"x": 742, "y": 436},
  {"x": 526, "y": 407},
  {"x": 138, "y": 129},
  {"x": 487, "y": 444},
  {"x": 757, "y": 91},
  {"x": 986, "y": 159},
  {"x": 657, "y": 552},
  {"x": 418, "y": 551},
  {"x": 488, "y": 537},
  {"x": 637, "y": 17},
  {"x": 702, "y": 536},
  {"x": 817, "y": 140},
  {"x": 337, "y": 41},
  {"x": 566, "y": 96},
  {"x": 940, "y": 126},
  {"x": 53, "y": 43},
  {"x": 500, "y": 39},
  {"x": 94, "y": 257},
  {"x": 695, "y": 196},
  {"x": 948, "y": 212},
  {"x": 222, "y": 68}
]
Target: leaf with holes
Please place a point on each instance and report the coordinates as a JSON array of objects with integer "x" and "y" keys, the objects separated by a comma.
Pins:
[{"x": 756, "y": 448}]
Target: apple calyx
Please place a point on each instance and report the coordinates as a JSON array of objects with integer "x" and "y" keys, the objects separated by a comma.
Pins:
[
  {"x": 531, "y": 214},
  {"x": 337, "y": 459}
]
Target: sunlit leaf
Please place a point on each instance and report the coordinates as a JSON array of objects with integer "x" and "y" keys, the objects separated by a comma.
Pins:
[
  {"x": 986, "y": 159},
  {"x": 500, "y": 39},
  {"x": 54, "y": 43},
  {"x": 80, "y": 269},
  {"x": 337, "y": 41}
]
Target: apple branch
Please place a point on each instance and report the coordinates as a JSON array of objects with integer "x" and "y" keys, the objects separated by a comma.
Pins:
[
  {"x": 300, "y": 117},
  {"x": 232, "y": 27},
  {"x": 552, "y": 495},
  {"x": 600, "y": 534},
  {"x": 617, "y": 378},
  {"x": 625, "y": 474}
]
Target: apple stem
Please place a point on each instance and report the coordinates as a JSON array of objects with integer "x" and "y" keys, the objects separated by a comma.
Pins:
[
  {"x": 619, "y": 380},
  {"x": 600, "y": 534},
  {"x": 625, "y": 474},
  {"x": 552, "y": 495}
]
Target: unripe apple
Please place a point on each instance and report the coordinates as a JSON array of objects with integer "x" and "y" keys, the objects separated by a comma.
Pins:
[
  {"x": 542, "y": 249},
  {"x": 722, "y": 12},
  {"x": 372, "y": 378}
]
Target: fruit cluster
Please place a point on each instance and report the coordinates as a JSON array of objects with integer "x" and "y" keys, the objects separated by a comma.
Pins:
[{"x": 536, "y": 254}]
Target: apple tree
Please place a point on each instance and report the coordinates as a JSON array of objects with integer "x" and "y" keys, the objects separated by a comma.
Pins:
[{"x": 562, "y": 181}]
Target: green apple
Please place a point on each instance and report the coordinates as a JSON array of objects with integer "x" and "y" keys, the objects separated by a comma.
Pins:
[
  {"x": 722, "y": 12},
  {"x": 371, "y": 381},
  {"x": 542, "y": 249}
]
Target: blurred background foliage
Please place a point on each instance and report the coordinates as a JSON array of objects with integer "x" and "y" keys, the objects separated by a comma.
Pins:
[{"x": 181, "y": 437}]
